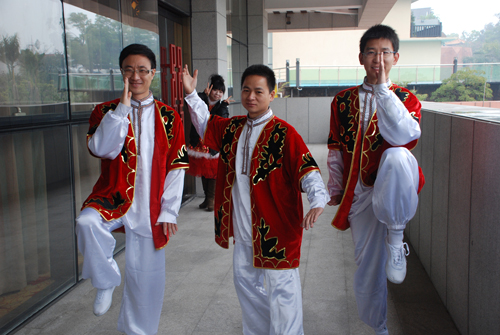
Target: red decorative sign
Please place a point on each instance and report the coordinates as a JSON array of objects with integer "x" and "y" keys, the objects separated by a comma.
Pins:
[{"x": 174, "y": 69}]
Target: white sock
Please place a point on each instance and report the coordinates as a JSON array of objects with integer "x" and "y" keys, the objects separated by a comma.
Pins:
[{"x": 395, "y": 237}]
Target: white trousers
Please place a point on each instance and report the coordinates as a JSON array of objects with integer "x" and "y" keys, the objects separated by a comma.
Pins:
[
  {"x": 394, "y": 203},
  {"x": 275, "y": 309},
  {"x": 144, "y": 286}
]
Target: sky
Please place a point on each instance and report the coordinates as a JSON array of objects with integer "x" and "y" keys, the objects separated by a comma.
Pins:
[{"x": 458, "y": 15}]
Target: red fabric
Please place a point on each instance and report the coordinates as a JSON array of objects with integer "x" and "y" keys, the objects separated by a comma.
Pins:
[
  {"x": 361, "y": 154},
  {"x": 113, "y": 193},
  {"x": 201, "y": 162},
  {"x": 280, "y": 160}
]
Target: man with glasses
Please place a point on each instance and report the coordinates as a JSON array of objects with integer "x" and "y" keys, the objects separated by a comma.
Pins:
[
  {"x": 373, "y": 176},
  {"x": 140, "y": 142}
]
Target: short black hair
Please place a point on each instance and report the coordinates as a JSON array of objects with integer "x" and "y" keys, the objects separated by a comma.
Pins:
[
  {"x": 138, "y": 49},
  {"x": 217, "y": 83},
  {"x": 263, "y": 71},
  {"x": 379, "y": 31}
]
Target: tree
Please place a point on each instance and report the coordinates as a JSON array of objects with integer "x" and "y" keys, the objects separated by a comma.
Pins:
[
  {"x": 9, "y": 54},
  {"x": 464, "y": 85},
  {"x": 485, "y": 44}
]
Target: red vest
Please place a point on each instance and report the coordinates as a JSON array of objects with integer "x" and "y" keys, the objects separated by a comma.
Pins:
[
  {"x": 361, "y": 154},
  {"x": 279, "y": 162},
  {"x": 113, "y": 192}
]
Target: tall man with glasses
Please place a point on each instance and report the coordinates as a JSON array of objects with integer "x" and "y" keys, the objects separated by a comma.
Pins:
[
  {"x": 373, "y": 176},
  {"x": 140, "y": 142}
]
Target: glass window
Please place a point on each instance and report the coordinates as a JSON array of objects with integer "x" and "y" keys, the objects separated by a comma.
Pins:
[
  {"x": 37, "y": 241},
  {"x": 32, "y": 64},
  {"x": 94, "y": 42}
]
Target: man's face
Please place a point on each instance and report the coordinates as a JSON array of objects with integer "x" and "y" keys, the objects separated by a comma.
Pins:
[
  {"x": 372, "y": 62},
  {"x": 139, "y": 83},
  {"x": 255, "y": 95}
]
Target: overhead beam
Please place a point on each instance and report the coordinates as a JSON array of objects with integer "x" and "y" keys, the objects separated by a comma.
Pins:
[{"x": 311, "y": 5}]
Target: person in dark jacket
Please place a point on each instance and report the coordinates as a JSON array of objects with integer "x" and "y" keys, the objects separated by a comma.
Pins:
[{"x": 203, "y": 161}]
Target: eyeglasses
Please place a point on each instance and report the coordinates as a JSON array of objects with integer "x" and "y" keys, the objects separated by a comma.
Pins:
[
  {"x": 130, "y": 72},
  {"x": 371, "y": 54}
]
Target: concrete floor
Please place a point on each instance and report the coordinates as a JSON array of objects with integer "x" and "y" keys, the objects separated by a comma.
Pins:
[{"x": 200, "y": 298}]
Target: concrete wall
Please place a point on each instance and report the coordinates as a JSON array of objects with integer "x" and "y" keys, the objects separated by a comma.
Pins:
[{"x": 456, "y": 229}]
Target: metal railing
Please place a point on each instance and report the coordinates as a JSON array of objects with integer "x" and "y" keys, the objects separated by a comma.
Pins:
[
  {"x": 433, "y": 30},
  {"x": 353, "y": 75}
]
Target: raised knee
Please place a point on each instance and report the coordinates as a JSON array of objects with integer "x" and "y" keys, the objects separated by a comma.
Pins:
[
  {"x": 396, "y": 156},
  {"x": 85, "y": 221}
]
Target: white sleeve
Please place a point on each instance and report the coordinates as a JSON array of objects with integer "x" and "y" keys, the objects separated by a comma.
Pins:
[
  {"x": 313, "y": 185},
  {"x": 198, "y": 111},
  {"x": 335, "y": 163},
  {"x": 397, "y": 126},
  {"x": 108, "y": 139},
  {"x": 172, "y": 196}
]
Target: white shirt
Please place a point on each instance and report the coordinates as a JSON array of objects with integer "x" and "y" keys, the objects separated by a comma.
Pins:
[
  {"x": 312, "y": 183},
  {"x": 108, "y": 141}
]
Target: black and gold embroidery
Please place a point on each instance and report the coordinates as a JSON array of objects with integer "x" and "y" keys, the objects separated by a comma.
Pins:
[
  {"x": 414, "y": 116},
  {"x": 308, "y": 162},
  {"x": 107, "y": 108},
  {"x": 116, "y": 201},
  {"x": 124, "y": 154},
  {"x": 218, "y": 222},
  {"x": 227, "y": 138},
  {"x": 168, "y": 116},
  {"x": 268, "y": 245},
  {"x": 378, "y": 141},
  {"x": 346, "y": 108},
  {"x": 271, "y": 154},
  {"x": 182, "y": 156},
  {"x": 402, "y": 95}
]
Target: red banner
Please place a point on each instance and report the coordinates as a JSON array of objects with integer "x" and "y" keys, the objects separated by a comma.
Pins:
[{"x": 174, "y": 71}]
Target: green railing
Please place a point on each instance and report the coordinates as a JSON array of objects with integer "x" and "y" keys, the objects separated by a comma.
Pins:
[
  {"x": 353, "y": 75},
  {"x": 309, "y": 76}
]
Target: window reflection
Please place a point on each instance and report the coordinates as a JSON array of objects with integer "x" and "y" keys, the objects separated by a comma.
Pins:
[
  {"x": 36, "y": 234},
  {"x": 93, "y": 44},
  {"x": 32, "y": 63},
  {"x": 95, "y": 38}
]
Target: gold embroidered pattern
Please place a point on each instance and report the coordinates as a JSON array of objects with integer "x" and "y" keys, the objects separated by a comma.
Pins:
[
  {"x": 268, "y": 246},
  {"x": 271, "y": 154}
]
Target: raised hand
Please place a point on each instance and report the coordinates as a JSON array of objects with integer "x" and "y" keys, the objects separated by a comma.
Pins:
[
  {"x": 208, "y": 89},
  {"x": 381, "y": 79},
  {"x": 229, "y": 100},
  {"x": 189, "y": 82},
  {"x": 126, "y": 94}
]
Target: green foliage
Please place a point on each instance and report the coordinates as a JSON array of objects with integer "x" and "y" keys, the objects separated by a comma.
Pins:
[
  {"x": 464, "y": 85},
  {"x": 97, "y": 45},
  {"x": 32, "y": 75},
  {"x": 485, "y": 44}
]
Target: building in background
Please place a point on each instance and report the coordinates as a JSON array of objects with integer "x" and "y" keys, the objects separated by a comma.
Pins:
[
  {"x": 58, "y": 59},
  {"x": 338, "y": 57}
]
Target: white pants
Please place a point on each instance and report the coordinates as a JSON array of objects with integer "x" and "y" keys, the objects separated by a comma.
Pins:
[
  {"x": 394, "y": 202},
  {"x": 272, "y": 310},
  {"x": 144, "y": 271}
]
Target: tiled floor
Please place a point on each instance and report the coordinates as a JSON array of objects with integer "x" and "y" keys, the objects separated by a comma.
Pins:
[{"x": 200, "y": 297}]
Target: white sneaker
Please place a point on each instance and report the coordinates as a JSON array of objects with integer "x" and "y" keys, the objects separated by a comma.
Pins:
[
  {"x": 103, "y": 300},
  {"x": 395, "y": 268},
  {"x": 382, "y": 332}
]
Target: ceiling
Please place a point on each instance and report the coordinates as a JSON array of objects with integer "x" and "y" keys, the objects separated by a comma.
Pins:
[{"x": 310, "y": 15}]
